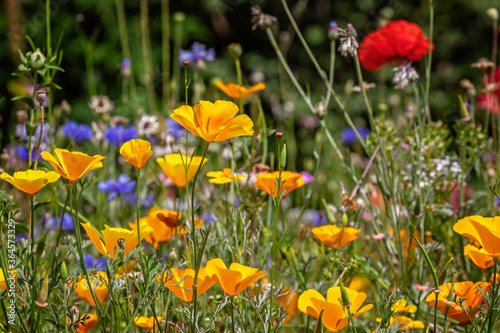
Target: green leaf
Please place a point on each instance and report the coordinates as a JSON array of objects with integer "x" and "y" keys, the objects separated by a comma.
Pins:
[
  {"x": 24, "y": 99},
  {"x": 42, "y": 71},
  {"x": 57, "y": 68},
  {"x": 30, "y": 130},
  {"x": 319, "y": 324},
  {"x": 23, "y": 58},
  {"x": 42, "y": 204},
  {"x": 21, "y": 227}
]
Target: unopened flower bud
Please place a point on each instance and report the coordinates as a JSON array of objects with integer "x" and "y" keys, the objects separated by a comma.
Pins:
[
  {"x": 185, "y": 63},
  {"x": 40, "y": 96},
  {"x": 346, "y": 302},
  {"x": 121, "y": 243},
  {"x": 172, "y": 256},
  {"x": 492, "y": 14},
  {"x": 64, "y": 271},
  {"x": 344, "y": 219},
  {"x": 327, "y": 275},
  {"x": 179, "y": 17},
  {"x": 278, "y": 135},
  {"x": 333, "y": 32},
  {"x": 320, "y": 110},
  {"x": 235, "y": 50}
]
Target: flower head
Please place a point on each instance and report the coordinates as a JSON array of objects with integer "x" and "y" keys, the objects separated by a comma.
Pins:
[
  {"x": 214, "y": 121},
  {"x": 235, "y": 279},
  {"x": 67, "y": 222},
  {"x": 181, "y": 282},
  {"x": 99, "y": 283},
  {"x": 393, "y": 43},
  {"x": 405, "y": 74},
  {"x": 288, "y": 299},
  {"x": 334, "y": 316},
  {"x": 348, "y": 43},
  {"x": 198, "y": 52},
  {"x": 447, "y": 299},
  {"x": 236, "y": 91},
  {"x": 173, "y": 166},
  {"x": 30, "y": 181},
  {"x": 114, "y": 238},
  {"x": 101, "y": 104},
  {"x": 148, "y": 125},
  {"x": 174, "y": 129},
  {"x": 289, "y": 182},
  {"x": 348, "y": 136},
  {"x": 72, "y": 165},
  {"x": 168, "y": 217},
  {"x": 91, "y": 262},
  {"x": 403, "y": 323},
  {"x": 486, "y": 232},
  {"x": 223, "y": 177},
  {"x": 136, "y": 152},
  {"x": 119, "y": 134},
  {"x": 334, "y": 236},
  {"x": 3, "y": 283},
  {"x": 77, "y": 132},
  {"x": 148, "y": 322},
  {"x": 490, "y": 99},
  {"x": 123, "y": 185}
]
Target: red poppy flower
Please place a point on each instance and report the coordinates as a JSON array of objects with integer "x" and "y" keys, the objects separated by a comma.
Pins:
[
  {"x": 393, "y": 43},
  {"x": 491, "y": 101}
]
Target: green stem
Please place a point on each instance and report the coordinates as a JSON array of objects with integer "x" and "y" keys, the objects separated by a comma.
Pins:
[
  {"x": 240, "y": 83},
  {"x": 365, "y": 96},
  {"x": 122, "y": 27},
  {"x": 263, "y": 135},
  {"x": 232, "y": 315},
  {"x": 429, "y": 61},
  {"x": 31, "y": 261},
  {"x": 138, "y": 208},
  {"x": 146, "y": 54},
  {"x": 165, "y": 42},
  {"x": 47, "y": 26},
  {"x": 493, "y": 299}
]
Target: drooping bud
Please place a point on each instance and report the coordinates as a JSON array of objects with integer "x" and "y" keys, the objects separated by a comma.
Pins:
[{"x": 235, "y": 50}]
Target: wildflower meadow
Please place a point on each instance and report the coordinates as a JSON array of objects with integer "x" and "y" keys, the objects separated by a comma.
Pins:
[{"x": 250, "y": 166}]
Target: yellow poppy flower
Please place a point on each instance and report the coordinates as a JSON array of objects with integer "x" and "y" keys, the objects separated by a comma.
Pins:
[
  {"x": 359, "y": 283},
  {"x": 334, "y": 316},
  {"x": 467, "y": 291},
  {"x": 173, "y": 166},
  {"x": 99, "y": 282},
  {"x": 223, "y": 177},
  {"x": 3, "y": 283},
  {"x": 236, "y": 91},
  {"x": 485, "y": 231},
  {"x": 289, "y": 182},
  {"x": 72, "y": 165},
  {"x": 334, "y": 236},
  {"x": 181, "y": 282},
  {"x": 400, "y": 306},
  {"x": 170, "y": 218},
  {"x": 114, "y": 237},
  {"x": 148, "y": 322},
  {"x": 213, "y": 121},
  {"x": 89, "y": 321},
  {"x": 137, "y": 152},
  {"x": 30, "y": 181},
  {"x": 235, "y": 279},
  {"x": 403, "y": 323}
]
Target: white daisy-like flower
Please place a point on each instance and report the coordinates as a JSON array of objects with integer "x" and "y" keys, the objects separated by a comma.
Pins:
[
  {"x": 101, "y": 104},
  {"x": 148, "y": 125}
]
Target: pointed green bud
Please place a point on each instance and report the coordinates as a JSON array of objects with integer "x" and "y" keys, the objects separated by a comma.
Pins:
[
  {"x": 319, "y": 324},
  {"x": 283, "y": 157},
  {"x": 329, "y": 215},
  {"x": 346, "y": 302},
  {"x": 345, "y": 220},
  {"x": 41, "y": 243},
  {"x": 64, "y": 271},
  {"x": 44, "y": 291}
]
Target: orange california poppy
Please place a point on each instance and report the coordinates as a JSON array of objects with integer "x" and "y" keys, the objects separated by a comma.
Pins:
[
  {"x": 223, "y": 177},
  {"x": 359, "y": 283},
  {"x": 236, "y": 91},
  {"x": 136, "y": 152},
  {"x": 174, "y": 167},
  {"x": 181, "y": 282},
  {"x": 289, "y": 182},
  {"x": 400, "y": 306},
  {"x": 99, "y": 282},
  {"x": 334, "y": 236},
  {"x": 114, "y": 238},
  {"x": 334, "y": 316},
  {"x": 214, "y": 121},
  {"x": 486, "y": 232},
  {"x": 171, "y": 218},
  {"x": 148, "y": 322},
  {"x": 31, "y": 181},
  {"x": 235, "y": 279},
  {"x": 403, "y": 323},
  {"x": 3, "y": 283},
  {"x": 72, "y": 165},
  {"x": 87, "y": 321},
  {"x": 461, "y": 290},
  {"x": 288, "y": 299}
]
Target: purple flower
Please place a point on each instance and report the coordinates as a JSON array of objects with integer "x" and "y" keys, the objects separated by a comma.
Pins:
[
  {"x": 348, "y": 135},
  {"x": 174, "y": 129},
  {"x": 319, "y": 218},
  {"x": 198, "y": 52},
  {"x": 208, "y": 217},
  {"x": 77, "y": 132},
  {"x": 67, "y": 222},
  {"x": 306, "y": 177},
  {"x": 118, "y": 135},
  {"x": 91, "y": 262},
  {"x": 147, "y": 202},
  {"x": 122, "y": 186}
]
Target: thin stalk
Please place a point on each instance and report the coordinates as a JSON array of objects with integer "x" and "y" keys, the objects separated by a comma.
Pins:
[
  {"x": 31, "y": 258},
  {"x": 365, "y": 96},
  {"x": 59, "y": 230},
  {"x": 176, "y": 71},
  {"x": 429, "y": 61},
  {"x": 331, "y": 74},
  {"x": 263, "y": 135},
  {"x": 240, "y": 83},
  {"x": 493, "y": 299},
  {"x": 165, "y": 43},
  {"x": 37, "y": 150},
  {"x": 232, "y": 315},
  {"x": 138, "y": 208},
  {"x": 146, "y": 54},
  {"x": 122, "y": 27},
  {"x": 193, "y": 240}
]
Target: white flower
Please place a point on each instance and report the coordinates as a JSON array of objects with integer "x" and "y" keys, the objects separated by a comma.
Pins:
[
  {"x": 148, "y": 125},
  {"x": 101, "y": 104}
]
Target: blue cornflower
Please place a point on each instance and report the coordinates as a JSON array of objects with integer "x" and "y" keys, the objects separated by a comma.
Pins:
[
  {"x": 147, "y": 202},
  {"x": 122, "y": 186},
  {"x": 67, "y": 222},
  {"x": 320, "y": 218},
  {"x": 348, "y": 135},
  {"x": 174, "y": 128},
  {"x": 118, "y": 135},
  {"x": 198, "y": 52},
  {"x": 208, "y": 217},
  {"x": 77, "y": 132},
  {"x": 91, "y": 262},
  {"x": 22, "y": 153}
]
